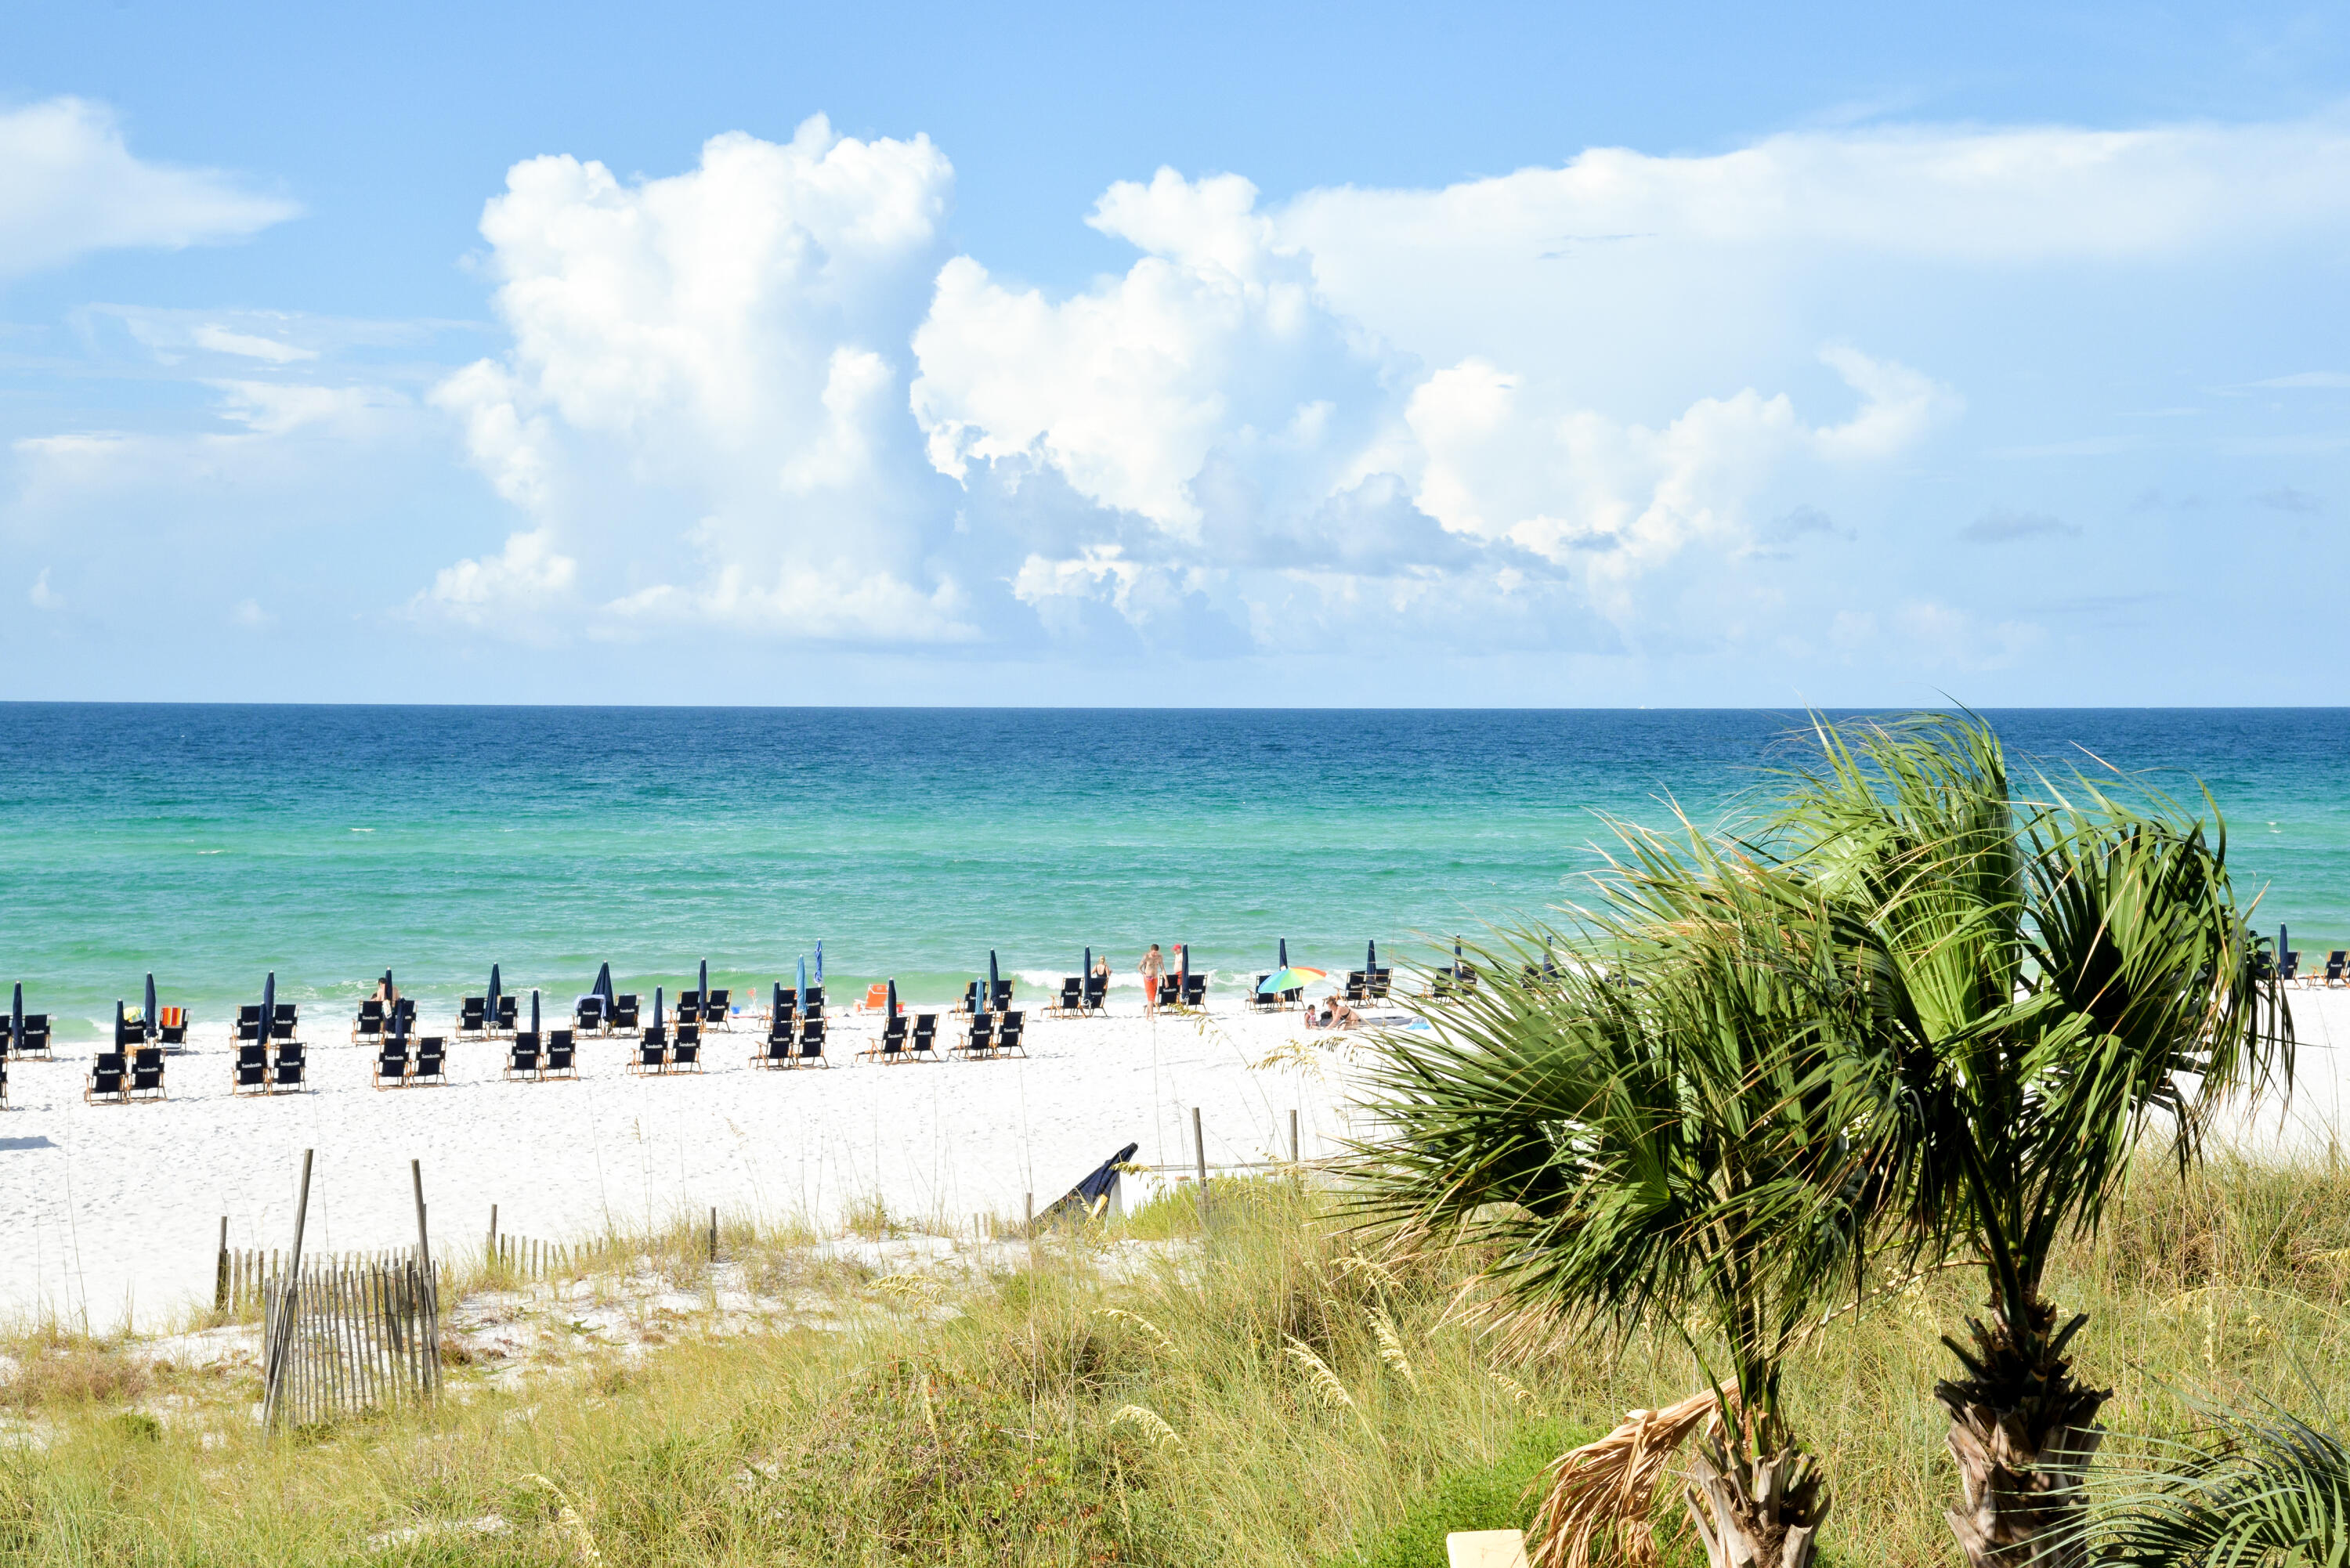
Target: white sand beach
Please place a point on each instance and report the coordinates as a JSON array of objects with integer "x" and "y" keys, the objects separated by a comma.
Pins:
[{"x": 112, "y": 1212}]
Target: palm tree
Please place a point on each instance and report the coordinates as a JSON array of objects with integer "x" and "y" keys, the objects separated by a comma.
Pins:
[
  {"x": 1656, "y": 1135},
  {"x": 2264, "y": 1487},
  {"x": 2053, "y": 979}
]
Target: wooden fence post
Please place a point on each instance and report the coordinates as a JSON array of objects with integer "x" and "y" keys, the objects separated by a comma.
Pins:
[
  {"x": 1199, "y": 1152},
  {"x": 220, "y": 1270},
  {"x": 281, "y": 1339}
]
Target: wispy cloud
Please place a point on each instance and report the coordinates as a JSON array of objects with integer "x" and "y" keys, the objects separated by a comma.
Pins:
[
  {"x": 69, "y": 184},
  {"x": 2003, "y": 526},
  {"x": 2287, "y": 499}
]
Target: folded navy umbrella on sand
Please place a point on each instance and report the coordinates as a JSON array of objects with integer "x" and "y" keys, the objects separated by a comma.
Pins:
[{"x": 1090, "y": 1197}]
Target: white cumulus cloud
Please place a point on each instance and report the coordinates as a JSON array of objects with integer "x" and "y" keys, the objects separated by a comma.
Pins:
[{"x": 704, "y": 409}]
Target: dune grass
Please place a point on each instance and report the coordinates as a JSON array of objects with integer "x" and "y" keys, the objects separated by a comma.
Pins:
[{"x": 1280, "y": 1397}]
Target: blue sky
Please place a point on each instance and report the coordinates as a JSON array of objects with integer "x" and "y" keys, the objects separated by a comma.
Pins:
[{"x": 1246, "y": 355}]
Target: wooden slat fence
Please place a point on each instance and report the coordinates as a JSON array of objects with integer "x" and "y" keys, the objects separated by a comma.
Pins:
[
  {"x": 349, "y": 1334},
  {"x": 243, "y": 1272},
  {"x": 527, "y": 1258}
]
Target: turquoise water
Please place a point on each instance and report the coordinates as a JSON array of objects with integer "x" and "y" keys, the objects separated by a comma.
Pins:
[{"x": 210, "y": 843}]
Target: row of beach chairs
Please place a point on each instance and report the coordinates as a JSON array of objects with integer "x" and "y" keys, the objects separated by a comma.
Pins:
[
  {"x": 261, "y": 1071},
  {"x": 119, "y": 1078},
  {"x": 169, "y": 1031},
  {"x": 285, "y": 1021}
]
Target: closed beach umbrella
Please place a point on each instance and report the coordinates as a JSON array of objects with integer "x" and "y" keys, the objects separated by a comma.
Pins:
[
  {"x": 991, "y": 976},
  {"x": 2284, "y": 946},
  {"x": 117, "y": 1023},
  {"x": 146, "y": 1019},
  {"x": 603, "y": 986},
  {"x": 775, "y": 1006},
  {"x": 17, "y": 1019},
  {"x": 268, "y": 1006},
  {"x": 1089, "y": 963},
  {"x": 533, "y": 1010},
  {"x": 819, "y": 963},
  {"x": 802, "y": 997},
  {"x": 1285, "y": 953},
  {"x": 657, "y": 1007},
  {"x": 493, "y": 993},
  {"x": 705, "y": 992},
  {"x": 1370, "y": 957},
  {"x": 893, "y": 999},
  {"x": 1183, "y": 965}
]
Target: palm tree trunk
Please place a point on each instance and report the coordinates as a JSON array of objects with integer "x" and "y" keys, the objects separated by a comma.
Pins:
[
  {"x": 2022, "y": 1432},
  {"x": 2023, "y": 1495},
  {"x": 1764, "y": 1513}
]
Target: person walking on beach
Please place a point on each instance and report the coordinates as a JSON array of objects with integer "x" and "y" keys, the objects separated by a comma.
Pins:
[{"x": 1154, "y": 964}]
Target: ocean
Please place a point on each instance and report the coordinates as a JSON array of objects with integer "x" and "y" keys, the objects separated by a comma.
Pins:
[{"x": 211, "y": 845}]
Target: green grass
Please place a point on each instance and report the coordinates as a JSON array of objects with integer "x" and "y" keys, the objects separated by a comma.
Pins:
[{"x": 1009, "y": 1434}]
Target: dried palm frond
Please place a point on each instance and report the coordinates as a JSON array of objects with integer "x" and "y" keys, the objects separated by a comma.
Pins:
[
  {"x": 1391, "y": 1348},
  {"x": 1152, "y": 1425},
  {"x": 1150, "y": 1330},
  {"x": 1603, "y": 1490}
]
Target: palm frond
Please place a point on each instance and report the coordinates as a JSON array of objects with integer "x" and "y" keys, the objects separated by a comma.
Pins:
[
  {"x": 2253, "y": 1489},
  {"x": 1602, "y": 1492}
]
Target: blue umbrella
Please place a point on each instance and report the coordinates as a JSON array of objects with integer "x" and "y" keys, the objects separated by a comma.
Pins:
[
  {"x": 1371, "y": 957},
  {"x": 1183, "y": 964},
  {"x": 533, "y": 1010},
  {"x": 893, "y": 999},
  {"x": 1089, "y": 963},
  {"x": 991, "y": 977},
  {"x": 147, "y": 1018},
  {"x": 268, "y": 1006},
  {"x": 705, "y": 992},
  {"x": 819, "y": 962},
  {"x": 657, "y": 1007},
  {"x": 603, "y": 986},
  {"x": 117, "y": 1023},
  {"x": 1285, "y": 953},
  {"x": 493, "y": 993},
  {"x": 801, "y": 1000},
  {"x": 17, "y": 1019},
  {"x": 775, "y": 1007},
  {"x": 1456, "y": 958}
]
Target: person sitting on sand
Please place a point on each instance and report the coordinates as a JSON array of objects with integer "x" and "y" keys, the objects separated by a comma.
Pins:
[
  {"x": 1332, "y": 1013},
  {"x": 387, "y": 994},
  {"x": 1154, "y": 964}
]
